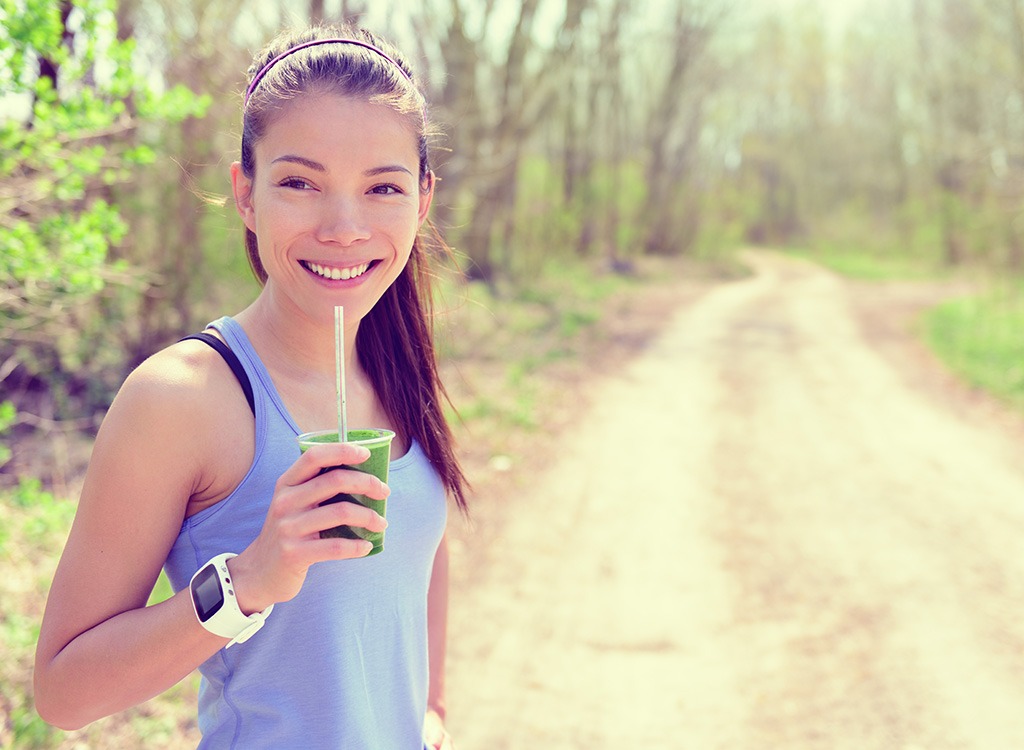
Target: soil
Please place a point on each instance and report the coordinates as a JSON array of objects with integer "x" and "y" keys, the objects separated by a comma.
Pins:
[{"x": 765, "y": 517}]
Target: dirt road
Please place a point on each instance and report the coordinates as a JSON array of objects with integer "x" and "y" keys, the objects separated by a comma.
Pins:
[{"x": 761, "y": 535}]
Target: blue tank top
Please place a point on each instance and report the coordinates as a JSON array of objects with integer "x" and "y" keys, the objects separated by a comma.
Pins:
[{"x": 344, "y": 664}]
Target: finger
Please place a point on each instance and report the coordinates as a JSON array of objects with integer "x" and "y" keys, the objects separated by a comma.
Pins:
[
  {"x": 322, "y": 456},
  {"x": 350, "y": 481},
  {"x": 336, "y": 548},
  {"x": 341, "y": 514},
  {"x": 321, "y": 487}
]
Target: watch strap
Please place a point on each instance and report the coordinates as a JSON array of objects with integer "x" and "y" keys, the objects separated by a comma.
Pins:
[
  {"x": 229, "y": 621},
  {"x": 256, "y": 621}
]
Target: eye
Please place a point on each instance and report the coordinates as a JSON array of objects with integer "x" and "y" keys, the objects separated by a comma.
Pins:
[
  {"x": 296, "y": 183},
  {"x": 386, "y": 189}
]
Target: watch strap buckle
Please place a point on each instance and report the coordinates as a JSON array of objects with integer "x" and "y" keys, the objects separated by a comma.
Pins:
[{"x": 256, "y": 622}]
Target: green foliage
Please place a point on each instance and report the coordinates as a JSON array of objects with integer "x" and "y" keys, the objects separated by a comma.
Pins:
[
  {"x": 45, "y": 516},
  {"x": 30, "y": 731},
  {"x": 728, "y": 213},
  {"x": 865, "y": 265},
  {"x": 920, "y": 230},
  {"x": 548, "y": 226},
  {"x": 32, "y": 523},
  {"x": 980, "y": 338},
  {"x": 518, "y": 337},
  {"x": 855, "y": 242},
  {"x": 33, "y": 526},
  {"x": 80, "y": 135},
  {"x": 162, "y": 591},
  {"x": 7, "y": 417}
]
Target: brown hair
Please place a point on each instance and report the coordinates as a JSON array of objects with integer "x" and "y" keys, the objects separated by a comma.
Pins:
[{"x": 395, "y": 343}]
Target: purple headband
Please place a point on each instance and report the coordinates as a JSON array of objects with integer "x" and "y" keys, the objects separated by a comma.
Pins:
[{"x": 263, "y": 71}]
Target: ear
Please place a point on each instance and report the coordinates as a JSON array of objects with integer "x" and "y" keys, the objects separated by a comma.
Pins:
[
  {"x": 241, "y": 186},
  {"x": 426, "y": 198}
]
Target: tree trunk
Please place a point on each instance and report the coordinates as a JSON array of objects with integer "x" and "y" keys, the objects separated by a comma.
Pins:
[
  {"x": 690, "y": 35},
  {"x": 188, "y": 257},
  {"x": 616, "y": 130},
  {"x": 351, "y": 10},
  {"x": 581, "y": 154},
  {"x": 316, "y": 11},
  {"x": 496, "y": 109}
]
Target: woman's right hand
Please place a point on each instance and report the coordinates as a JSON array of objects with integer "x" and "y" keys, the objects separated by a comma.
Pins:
[{"x": 273, "y": 568}]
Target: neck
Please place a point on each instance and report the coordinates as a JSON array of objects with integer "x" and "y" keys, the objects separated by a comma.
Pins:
[{"x": 297, "y": 342}]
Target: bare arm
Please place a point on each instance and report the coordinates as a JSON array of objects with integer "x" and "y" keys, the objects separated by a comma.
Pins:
[
  {"x": 437, "y": 629},
  {"x": 101, "y": 649},
  {"x": 96, "y": 630}
]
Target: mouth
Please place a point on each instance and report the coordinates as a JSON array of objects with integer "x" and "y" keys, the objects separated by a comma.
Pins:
[{"x": 337, "y": 273}]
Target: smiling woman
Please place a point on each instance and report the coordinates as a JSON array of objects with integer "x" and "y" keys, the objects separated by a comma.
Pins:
[
  {"x": 336, "y": 198},
  {"x": 333, "y": 187}
]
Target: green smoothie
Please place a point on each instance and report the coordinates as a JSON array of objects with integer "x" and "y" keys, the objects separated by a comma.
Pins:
[{"x": 379, "y": 444}]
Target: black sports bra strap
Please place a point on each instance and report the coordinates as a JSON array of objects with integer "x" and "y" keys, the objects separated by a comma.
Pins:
[{"x": 232, "y": 359}]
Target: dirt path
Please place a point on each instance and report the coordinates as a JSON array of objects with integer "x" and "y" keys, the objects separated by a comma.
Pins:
[{"x": 764, "y": 534}]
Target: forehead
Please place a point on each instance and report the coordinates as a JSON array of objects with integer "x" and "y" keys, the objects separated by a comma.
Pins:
[{"x": 338, "y": 130}]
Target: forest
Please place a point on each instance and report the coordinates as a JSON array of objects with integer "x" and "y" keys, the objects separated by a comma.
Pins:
[{"x": 594, "y": 131}]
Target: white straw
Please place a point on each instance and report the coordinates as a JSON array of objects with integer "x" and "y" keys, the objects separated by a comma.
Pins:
[{"x": 339, "y": 370}]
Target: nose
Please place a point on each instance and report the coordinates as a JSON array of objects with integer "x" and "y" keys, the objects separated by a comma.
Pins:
[{"x": 342, "y": 222}]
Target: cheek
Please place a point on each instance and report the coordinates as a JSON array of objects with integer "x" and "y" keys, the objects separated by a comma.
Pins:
[
  {"x": 278, "y": 220},
  {"x": 401, "y": 224}
]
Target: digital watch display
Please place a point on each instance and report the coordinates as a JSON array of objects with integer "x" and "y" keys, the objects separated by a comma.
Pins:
[{"x": 207, "y": 595}]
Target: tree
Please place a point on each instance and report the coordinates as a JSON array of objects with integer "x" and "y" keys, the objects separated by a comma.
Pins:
[
  {"x": 498, "y": 89},
  {"x": 675, "y": 125},
  {"x": 190, "y": 42},
  {"x": 80, "y": 135}
]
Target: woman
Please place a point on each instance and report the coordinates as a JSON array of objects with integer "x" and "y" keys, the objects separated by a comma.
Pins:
[{"x": 305, "y": 645}]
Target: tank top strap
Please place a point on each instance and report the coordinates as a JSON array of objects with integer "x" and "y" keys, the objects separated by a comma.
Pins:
[
  {"x": 264, "y": 389},
  {"x": 228, "y": 356}
]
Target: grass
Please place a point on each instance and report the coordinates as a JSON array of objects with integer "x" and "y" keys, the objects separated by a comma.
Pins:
[
  {"x": 868, "y": 265},
  {"x": 500, "y": 348},
  {"x": 981, "y": 339},
  {"x": 34, "y": 524}
]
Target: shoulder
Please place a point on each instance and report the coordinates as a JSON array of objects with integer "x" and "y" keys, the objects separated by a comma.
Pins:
[
  {"x": 180, "y": 383},
  {"x": 176, "y": 404}
]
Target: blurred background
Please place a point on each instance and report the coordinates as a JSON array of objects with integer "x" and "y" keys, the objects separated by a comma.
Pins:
[
  {"x": 580, "y": 143},
  {"x": 579, "y": 130}
]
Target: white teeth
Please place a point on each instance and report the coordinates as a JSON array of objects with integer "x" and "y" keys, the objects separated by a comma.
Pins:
[{"x": 338, "y": 273}]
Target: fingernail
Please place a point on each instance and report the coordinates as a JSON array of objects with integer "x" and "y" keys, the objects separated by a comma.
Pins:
[{"x": 365, "y": 547}]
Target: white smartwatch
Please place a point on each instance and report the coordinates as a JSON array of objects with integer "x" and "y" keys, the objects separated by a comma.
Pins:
[{"x": 213, "y": 598}]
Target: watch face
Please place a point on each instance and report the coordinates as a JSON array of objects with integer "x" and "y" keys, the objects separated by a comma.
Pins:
[{"x": 206, "y": 593}]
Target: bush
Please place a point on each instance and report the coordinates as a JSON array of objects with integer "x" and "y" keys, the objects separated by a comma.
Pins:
[
  {"x": 79, "y": 136},
  {"x": 980, "y": 338}
]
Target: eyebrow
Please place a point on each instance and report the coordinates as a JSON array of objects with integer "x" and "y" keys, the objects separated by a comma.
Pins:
[
  {"x": 314, "y": 165},
  {"x": 386, "y": 169},
  {"x": 318, "y": 167}
]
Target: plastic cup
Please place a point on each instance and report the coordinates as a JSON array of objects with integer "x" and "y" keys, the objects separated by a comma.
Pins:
[{"x": 379, "y": 443}]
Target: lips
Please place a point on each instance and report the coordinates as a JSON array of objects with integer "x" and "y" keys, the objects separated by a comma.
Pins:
[{"x": 336, "y": 273}]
